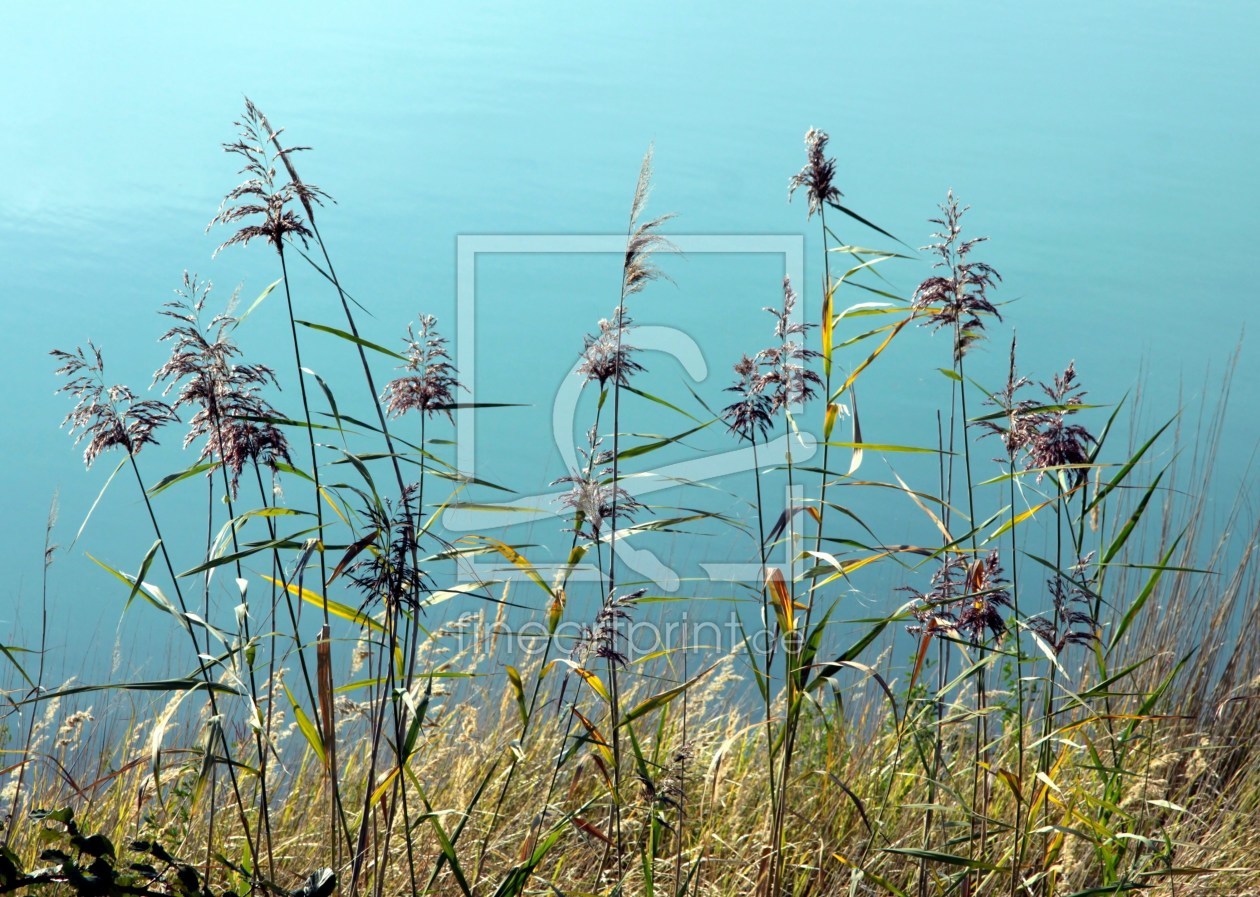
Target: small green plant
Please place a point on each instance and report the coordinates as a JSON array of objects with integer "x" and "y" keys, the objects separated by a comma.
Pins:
[{"x": 90, "y": 866}]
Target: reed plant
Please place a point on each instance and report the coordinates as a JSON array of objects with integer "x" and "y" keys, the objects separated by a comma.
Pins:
[{"x": 1054, "y": 695}]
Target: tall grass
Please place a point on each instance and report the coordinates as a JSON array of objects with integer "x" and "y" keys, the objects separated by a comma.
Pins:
[{"x": 1060, "y": 700}]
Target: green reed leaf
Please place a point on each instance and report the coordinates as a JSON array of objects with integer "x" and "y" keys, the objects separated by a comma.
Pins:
[
  {"x": 335, "y": 608},
  {"x": 936, "y": 856},
  {"x": 248, "y": 551},
  {"x": 257, "y": 302},
  {"x": 351, "y": 338},
  {"x": 856, "y": 217},
  {"x": 1127, "y": 530},
  {"x": 307, "y": 728},
  {"x": 658, "y": 400},
  {"x": 1126, "y": 468},
  {"x": 658, "y": 701},
  {"x": 172, "y": 478},
  {"x": 178, "y": 684},
  {"x": 646, "y": 448},
  {"x": 1143, "y": 596},
  {"x": 96, "y": 501}
]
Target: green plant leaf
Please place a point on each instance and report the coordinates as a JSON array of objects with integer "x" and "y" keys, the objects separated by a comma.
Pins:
[
  {"x": 351, "y": 338},
  {"x": 335, "y": 608},
  {"x": 257, "y": 302},
  {"x": 1127, "y": 530},
  {"x": 1126, "y": 468},
  {"x": 172, "y": 478},
  {"x": 935, "y": 856},
  {"x": 658, "y": 701},
  {"x": 307, "y": 728},
  {"x": 1140, "y": 601}
]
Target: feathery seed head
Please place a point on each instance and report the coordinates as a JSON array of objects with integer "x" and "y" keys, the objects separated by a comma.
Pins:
[
  {"x": 643, "y": 239},
  {"x": 817, "y": 175},
  {"x": 236, "y": 421},
  {"x": 959, "y": 297},
  {"x": 260, "y": 198},
  {"x": 431, "y": 385},
  {"x": 107, "y": 416},
  {"x": 606, "y": 355}
]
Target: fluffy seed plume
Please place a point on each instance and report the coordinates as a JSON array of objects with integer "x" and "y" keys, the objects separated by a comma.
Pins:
[
  {"x": 959, "y": 297},
  {"x": 774, "y": 378},
  {"x": 606, "y": 355},
  {"x": 235, "y": 420},
  {"x": 966, "y": 597},
  {"x": 388, "y": 574},
  {"x": 1056, "y": 442},
  {"x": 1041, "y": 429},
  {"x": 260, "y": 199},
  {"x": 643, "y": 239},
  {"x": 1072, "y": 619},
  {"x": 818, "y": 174},
  {"x": 430, "y": 385},
  {"x": 106, "y": 416},
  {"x": 604, "y": 638},
  {"x": 592, "y": 493},
  {"x": 753, "y": 412},
  {"x": 1016, "y": 426},
  {"x": 788, "y": 379}
]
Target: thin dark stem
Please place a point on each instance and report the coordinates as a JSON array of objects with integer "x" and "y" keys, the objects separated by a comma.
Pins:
[
  {"x": 278, "y": 567},
  {"x": 682, "y": 775},
  {"x": 214, "y": 772},
  {"x": 38, "y": 685},
  {"x": 790, "y": 675},
  {"x": 547, "y": 647},
  {"x": 1017, "y": 854},
  {"x": 310, "y": 431},
  {"x": 767, "y": 615},
  {"x": 201, "y": 666},
  {"x": 978, "y": 785},
  {"x": 246, "y": 637},
  {"x": 823, "y": 477},
  {"x": 945, "y": 475}
]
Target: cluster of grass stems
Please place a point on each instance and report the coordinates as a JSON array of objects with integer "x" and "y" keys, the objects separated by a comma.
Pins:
[{"x": 1061, "y": 701}]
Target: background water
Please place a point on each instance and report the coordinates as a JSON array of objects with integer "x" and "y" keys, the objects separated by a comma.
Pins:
[{"x": 1108, "y": 149}]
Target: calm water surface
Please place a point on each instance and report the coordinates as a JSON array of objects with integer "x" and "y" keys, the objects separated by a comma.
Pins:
[{"x": 1108, "y": 150}]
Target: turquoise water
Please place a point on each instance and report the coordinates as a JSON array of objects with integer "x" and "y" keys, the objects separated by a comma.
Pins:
[{"x": 1107, "y": 149}]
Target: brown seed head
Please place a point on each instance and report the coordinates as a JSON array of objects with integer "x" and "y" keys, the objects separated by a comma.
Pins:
[
  {"x": 260, "y": 199},
  {"x": 817, "y": 175}
]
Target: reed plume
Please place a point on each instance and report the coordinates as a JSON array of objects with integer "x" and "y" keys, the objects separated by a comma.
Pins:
[
  {"x": 1056, "y": 442},
  {"x": 817, "y": 177},
  {"x": 987, "y": 594},
  {"x": 606, "y": 355},
  {"x": 235, "y": 420},
  {"x": 1016, "y": 426},
  {"x": 431, "y": 383},
  {"x": 604, "y": 638},
  {"x": 753, "y": 413},
  {"x": 260, "y": 198},
  {"x": 787, "y": 379},
  {"x": 1041, "y": 430},
  {"x": 643, "y": 239},
  {"x": 966, "y": 597},
  {"x": 107, "y": 416},
  {"x": 389, "y": 574},
  {"x": 593, "y": 493},
  {"x": 1071, "y": 620},
  {"x": 958, "y": 298}
]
